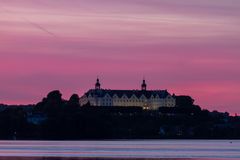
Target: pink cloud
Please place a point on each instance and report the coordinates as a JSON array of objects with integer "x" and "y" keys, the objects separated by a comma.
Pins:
[{"x": 184, "y": 46}]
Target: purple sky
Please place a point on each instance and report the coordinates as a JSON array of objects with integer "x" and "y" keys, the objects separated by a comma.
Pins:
[{"x": 188, "y": 47}]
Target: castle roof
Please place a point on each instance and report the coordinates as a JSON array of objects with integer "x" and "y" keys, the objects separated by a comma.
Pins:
[{"x": 129, "y": 93}]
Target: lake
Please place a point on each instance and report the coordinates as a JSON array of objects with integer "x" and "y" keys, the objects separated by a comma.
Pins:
[{"x": 122, "y": 149}]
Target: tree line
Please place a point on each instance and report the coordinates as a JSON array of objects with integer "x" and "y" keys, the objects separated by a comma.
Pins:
[{"x": 57, "y": 119}]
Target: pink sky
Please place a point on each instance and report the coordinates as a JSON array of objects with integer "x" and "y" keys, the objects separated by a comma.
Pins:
[{"x": 188, "y": 47}]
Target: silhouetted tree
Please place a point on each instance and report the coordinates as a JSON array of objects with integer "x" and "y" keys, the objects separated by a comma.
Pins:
[
  {"x": 52, "y": 104},
  {"x": 74, "y": 100},
  {"x": 184, "y": 101}
]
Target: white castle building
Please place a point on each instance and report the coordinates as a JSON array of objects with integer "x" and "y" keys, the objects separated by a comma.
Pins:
[{"x": 148, "y": 99}]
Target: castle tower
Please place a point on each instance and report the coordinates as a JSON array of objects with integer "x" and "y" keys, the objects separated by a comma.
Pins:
[
  {"x": 97, "y": 85},
  {"x": 144, "y": 85}
]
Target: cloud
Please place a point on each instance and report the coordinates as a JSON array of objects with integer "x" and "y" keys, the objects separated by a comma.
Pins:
[{"x": 190, "y": 47}]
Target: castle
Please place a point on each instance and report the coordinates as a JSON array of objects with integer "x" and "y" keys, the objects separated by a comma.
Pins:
[{"x": 148, "y": 99}]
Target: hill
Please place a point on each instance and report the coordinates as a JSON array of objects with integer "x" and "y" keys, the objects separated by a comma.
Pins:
[{"x": 57, "y": 119}]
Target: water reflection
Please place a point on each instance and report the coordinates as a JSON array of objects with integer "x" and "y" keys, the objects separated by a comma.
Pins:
[
  {"x": 65, "y": 158},
  {"x": 61, "y": 158},
  {"x": 123, "y": 150}
]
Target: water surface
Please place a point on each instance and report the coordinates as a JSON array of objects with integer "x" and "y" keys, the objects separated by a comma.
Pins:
[{"x": 136, "y": 149}]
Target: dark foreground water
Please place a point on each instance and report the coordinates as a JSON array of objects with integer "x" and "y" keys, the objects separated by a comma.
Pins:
[{"x": 124, "y": 150}]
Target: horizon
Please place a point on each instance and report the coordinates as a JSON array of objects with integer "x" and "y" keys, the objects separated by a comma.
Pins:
[
  {"x": 187, "y": 47},
  {"x": 93, "y": 87}
]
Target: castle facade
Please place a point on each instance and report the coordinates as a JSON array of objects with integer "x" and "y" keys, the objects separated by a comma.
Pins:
[{"x": 148, "y": 99}]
